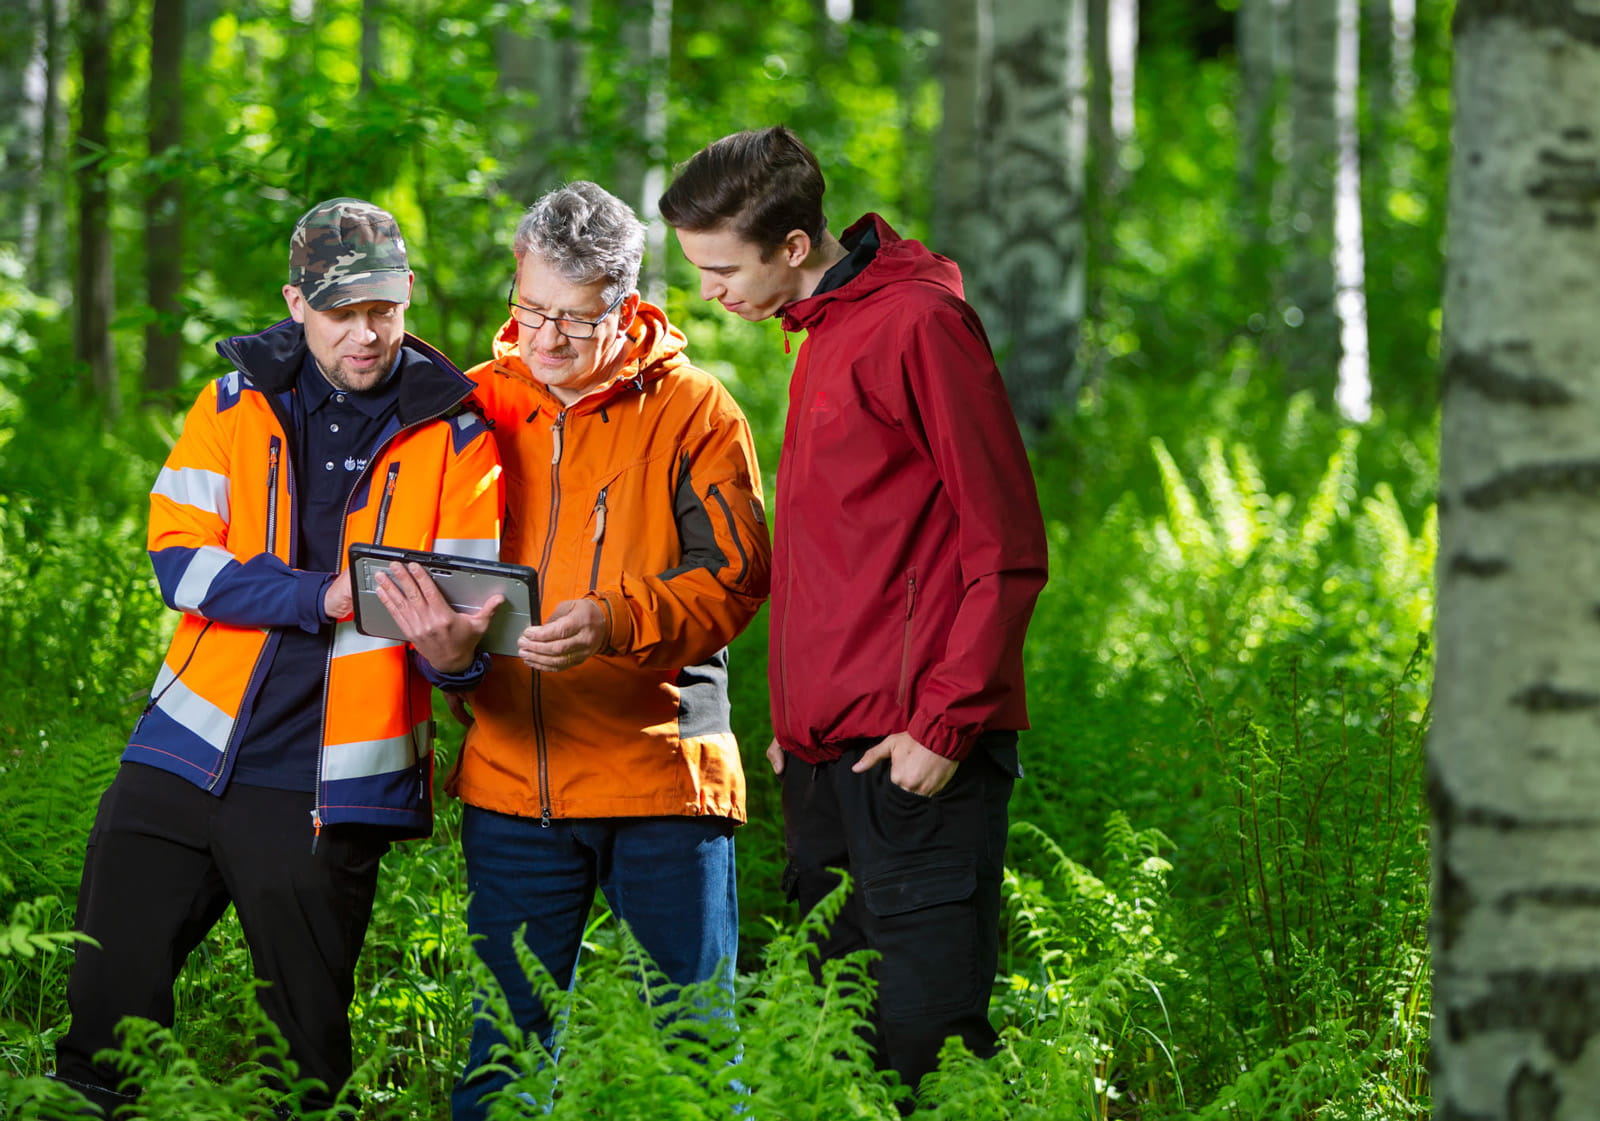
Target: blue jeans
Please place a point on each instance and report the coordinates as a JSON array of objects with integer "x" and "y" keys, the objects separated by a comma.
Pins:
[{"x": 671, "y": 879}]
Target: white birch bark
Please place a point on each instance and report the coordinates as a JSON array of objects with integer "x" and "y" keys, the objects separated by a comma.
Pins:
[
  {"x": 1263, "y": 62},
  {"x": 541, "y": 65},
  {"x": 1514, "y": 768},
  {"x": 964, "y": 40},
  {"x": 1026, "y": 277},
  {"x": 1308, "y": 300},
  {"x": 641, "y": 169}
]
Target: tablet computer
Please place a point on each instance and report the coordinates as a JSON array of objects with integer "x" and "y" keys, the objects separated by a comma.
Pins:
[{"x": 466, "y": 583}]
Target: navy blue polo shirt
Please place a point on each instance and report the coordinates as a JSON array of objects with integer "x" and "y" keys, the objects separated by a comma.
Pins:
[{"x": 335, "y": 433}]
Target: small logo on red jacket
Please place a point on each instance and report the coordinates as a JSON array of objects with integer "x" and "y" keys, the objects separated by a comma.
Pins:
[{"x": 821, "y": 404}]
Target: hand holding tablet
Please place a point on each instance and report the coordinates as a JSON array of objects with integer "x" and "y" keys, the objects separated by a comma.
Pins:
[{"x": 466, "y": 584}]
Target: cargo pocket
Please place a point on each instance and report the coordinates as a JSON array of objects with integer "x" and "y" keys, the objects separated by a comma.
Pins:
[{"x": 926, "y": 928}]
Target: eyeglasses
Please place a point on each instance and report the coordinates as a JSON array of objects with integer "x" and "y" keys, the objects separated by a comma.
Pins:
[{"x": 569, "y": 328}]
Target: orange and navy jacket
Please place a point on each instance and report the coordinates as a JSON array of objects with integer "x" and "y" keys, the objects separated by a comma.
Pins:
[
  {"x": 643, "y": 496},
  {"x": 222, "y": 538}
]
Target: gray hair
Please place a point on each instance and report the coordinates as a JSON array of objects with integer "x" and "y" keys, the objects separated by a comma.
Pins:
[{"x": 586, "y": 234}]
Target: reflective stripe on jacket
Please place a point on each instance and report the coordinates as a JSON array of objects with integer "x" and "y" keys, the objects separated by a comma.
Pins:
[
  {"x": 222, "y": 540},
  {"x": 645, "y": 497}
]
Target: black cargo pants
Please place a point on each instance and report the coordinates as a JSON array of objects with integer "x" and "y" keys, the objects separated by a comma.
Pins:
[
  {"x": 927, "y": 877},
  {"x": 164, "y": 861}
]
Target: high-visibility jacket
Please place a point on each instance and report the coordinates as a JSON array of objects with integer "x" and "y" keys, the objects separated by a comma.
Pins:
[
  {"x": 223, "y": 535},
  {"x": 645, "y": 497}
]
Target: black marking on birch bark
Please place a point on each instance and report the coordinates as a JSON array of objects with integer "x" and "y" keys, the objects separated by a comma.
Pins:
[
  {"x": 1562, "y": 1007},
  {"x": 1530, "y": 15},
  {"x": 1452, "y": 902},
  {"x": 1579, "y": 477},
  {"x": 1569, "y": 187},
  {"x": 1480, "y": 817},
  {"x": 1544, "y": 697},
  {"x": 1485, "y": 371},
  {"x": 1577, "y": 134},
  {"x": 1532, "y": 1096},
  {"x": 1463, "y": 564},
  {"x": 1560, "y": 898}
]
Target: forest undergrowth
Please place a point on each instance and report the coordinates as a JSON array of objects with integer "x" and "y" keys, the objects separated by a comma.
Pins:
[{"x": 1216, "y": 893}]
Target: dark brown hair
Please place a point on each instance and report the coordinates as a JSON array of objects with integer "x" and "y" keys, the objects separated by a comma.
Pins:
[{"x": 761, "y": 182}]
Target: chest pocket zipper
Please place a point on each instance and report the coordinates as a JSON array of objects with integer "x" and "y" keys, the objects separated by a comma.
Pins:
[
  {"x": 905, "y": 638},
  {"x": 599, "y": 536},
  {"x": 388, "y": 497}
]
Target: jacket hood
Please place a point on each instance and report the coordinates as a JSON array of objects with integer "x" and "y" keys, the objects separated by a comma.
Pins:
[
  {"x": 656, "y": 349},
  {"x": 430, "y": 383},
  {"x": 898, "y": 259}
]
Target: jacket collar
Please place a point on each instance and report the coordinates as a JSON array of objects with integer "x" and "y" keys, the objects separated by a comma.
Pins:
[
  {"x": 656, "y": 348},
  {"x": 270, "y": 360},
  {"x": 897, "y": 259}
]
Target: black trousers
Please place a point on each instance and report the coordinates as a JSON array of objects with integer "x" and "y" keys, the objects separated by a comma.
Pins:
[
  {"x": 164, "y": 860},
  {"x": 927, "y": 874}
]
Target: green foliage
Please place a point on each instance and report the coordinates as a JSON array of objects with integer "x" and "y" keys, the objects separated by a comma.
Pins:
[{"x": 1227, "y": 654}]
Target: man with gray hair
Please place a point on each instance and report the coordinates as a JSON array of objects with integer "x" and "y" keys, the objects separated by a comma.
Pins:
[
  {"x": 281, "y": 751},
  {"x": 602, "y": 756}
]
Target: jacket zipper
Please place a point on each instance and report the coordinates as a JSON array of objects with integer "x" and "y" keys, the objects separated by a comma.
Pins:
[
  {"x": 541, "y": 749},
  {"x": 388, "y": 497},
  {"x": 905, "y": 638},
  {"x": 274, "y": 455},
  {"x": 599, "y": 536},
  {"x": 733, "y": 531}
]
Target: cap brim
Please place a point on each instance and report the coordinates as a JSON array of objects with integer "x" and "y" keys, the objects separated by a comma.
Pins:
[{"x": 390, "y": 285}]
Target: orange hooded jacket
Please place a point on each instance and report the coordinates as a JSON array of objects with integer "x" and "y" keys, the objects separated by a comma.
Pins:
[{"x": 644, "y": 496}]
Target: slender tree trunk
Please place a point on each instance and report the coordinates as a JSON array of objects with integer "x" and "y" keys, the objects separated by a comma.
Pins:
[
  {"x": 1113, "y": 40},
  {"x": 1027, "y": 280},
  {"x": 371, "y": 44},
  {"x": 93, "y": 293},
  {"x": 1514, "y": 775},
  {"x": 47, "y": 262},
  {"x": 641, "y": 170},
  {"x": 964, "y": 40},
  {"x": 541, "y": 67},
  {"x": 19, "y": 129},
  {"x": 1259, "y": 34},
  {"x": 1309, "y": 285},
  {"x": 164, "y": 225},
  {"x": 1353, "y": 392}
]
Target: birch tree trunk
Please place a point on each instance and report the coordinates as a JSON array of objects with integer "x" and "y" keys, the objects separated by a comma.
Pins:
[
  {"x": 542, "y": 64},
  {"x": 47, "y": 228},
  {"x": 1514, "y": 771},
  {"x": 164, "y": 225},
  {"x": 642, "y": 168},
  {"x": 1308, "y": 300},
  {"x": 1026, "y": 275},
  {"x": 371, "y": 44},
  {"x": 964, "y": 40},
  {"x": 93, "y": 295},
  {"x": 1259, "y": 35}
]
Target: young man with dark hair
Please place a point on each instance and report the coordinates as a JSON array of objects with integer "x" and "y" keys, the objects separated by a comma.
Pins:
[{"x": 908, "y": 553}]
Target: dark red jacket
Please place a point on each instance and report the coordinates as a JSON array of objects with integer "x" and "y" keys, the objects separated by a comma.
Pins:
[{"x": 908, "y": 545}]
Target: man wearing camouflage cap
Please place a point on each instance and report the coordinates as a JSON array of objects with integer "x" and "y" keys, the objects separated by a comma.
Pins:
[{"x": 281, "y": 750}]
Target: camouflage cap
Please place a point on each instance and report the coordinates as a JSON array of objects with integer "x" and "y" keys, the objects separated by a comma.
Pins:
[{"x": 345, "y": 251}]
